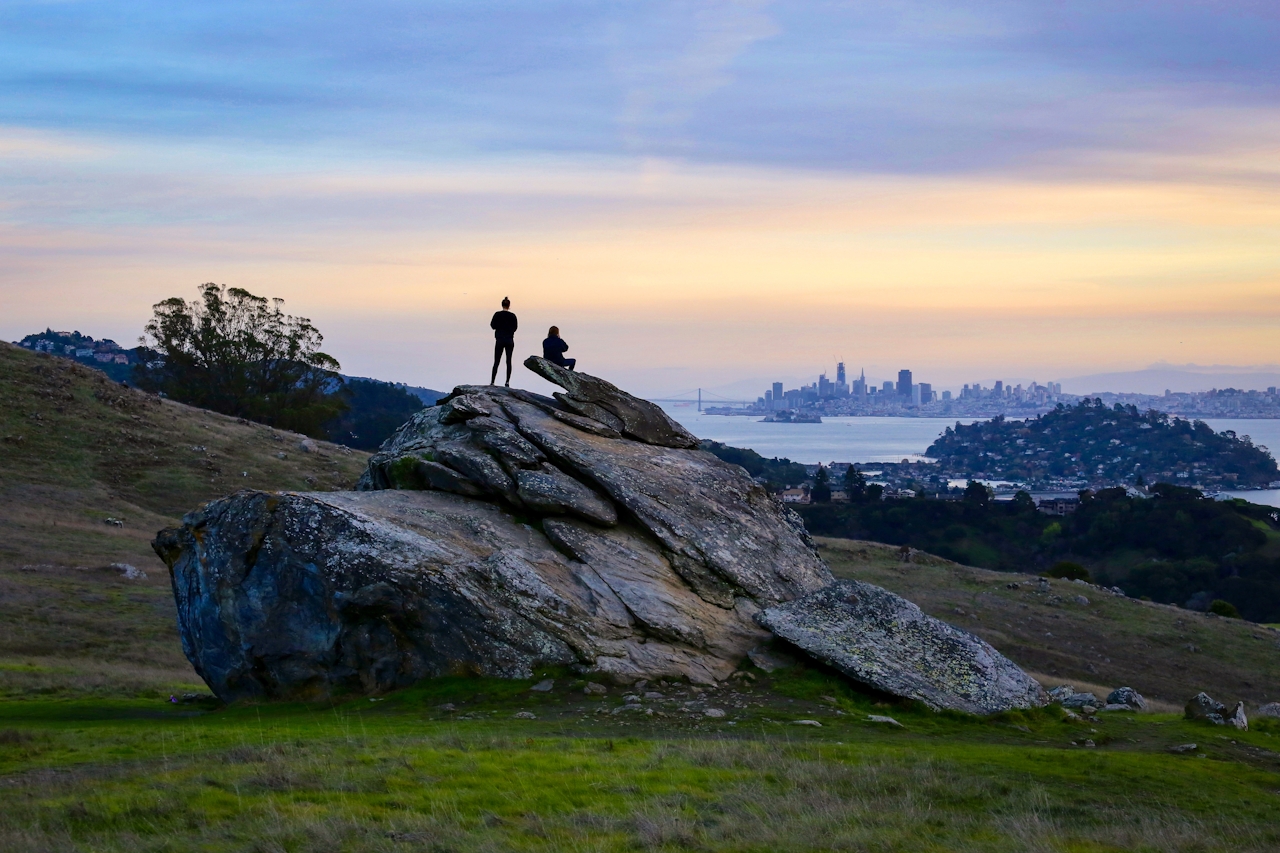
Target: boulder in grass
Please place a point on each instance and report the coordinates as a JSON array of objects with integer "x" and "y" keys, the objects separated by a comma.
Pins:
[
  {"x": 1127, "y": 696},
  {"x": 498, "y": 533},
  {"x": 1081, "y": 700},
  {"x": 890, "y": 644},
  {"x": 1204, "y": 708}
]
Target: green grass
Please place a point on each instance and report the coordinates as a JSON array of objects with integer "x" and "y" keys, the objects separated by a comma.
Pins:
[{"x": 402, "y": 775}]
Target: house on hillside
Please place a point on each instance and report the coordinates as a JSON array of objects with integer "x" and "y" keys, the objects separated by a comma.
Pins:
[
  {"x": 1058, "y": 506},
  {"x": 795, "y": 496}
]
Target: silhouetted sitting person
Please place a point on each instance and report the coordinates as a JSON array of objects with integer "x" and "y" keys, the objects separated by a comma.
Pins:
[{"x": 553, "y": 349}]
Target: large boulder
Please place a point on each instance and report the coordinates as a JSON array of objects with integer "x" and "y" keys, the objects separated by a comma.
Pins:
[
  {"x": 501, "y": 531},
  {"x": 888, "y": 643},
  {"x": 302, "y": 595},
  {"x": 496, "y": 532}
]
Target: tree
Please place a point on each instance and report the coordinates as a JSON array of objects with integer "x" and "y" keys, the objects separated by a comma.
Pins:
[
  {"x": 1224, "y": 608},
  {"x": 855, "y": 485},
  {"x": 1023, "y": 502},
  {"x": 821, "y": 487},
  {"x": 977, "y": 494},
  {"x": 240, "y": 354}
]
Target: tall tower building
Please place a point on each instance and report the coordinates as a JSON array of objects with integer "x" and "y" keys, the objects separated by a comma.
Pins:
[
  {"x": 904, "y": 383},
  {"x": 840, "y": 373}
]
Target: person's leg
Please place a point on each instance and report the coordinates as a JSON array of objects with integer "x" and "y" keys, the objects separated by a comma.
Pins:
[
  {"x": 509, "y": 347},
  {"x": 570, "y": 362},
  {"x": 497, "y": 359}
]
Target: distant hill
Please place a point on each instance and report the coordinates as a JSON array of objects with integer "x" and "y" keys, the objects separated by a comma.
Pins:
[
  {"x": 426, "y": 395},
  {"x": 376, "y": 407},
  {"x": 1158, "y": 378},
  {"x": 102, "y": 354},
  {"x": 1093, "y": 443}
]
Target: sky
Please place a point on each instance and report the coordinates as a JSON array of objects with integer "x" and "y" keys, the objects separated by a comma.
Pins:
[{"x": 711, "y": 194}]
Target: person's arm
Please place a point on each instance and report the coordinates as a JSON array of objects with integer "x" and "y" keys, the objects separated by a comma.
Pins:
[
  {"x": 493, "y": 323},
  {"x": 515, "y": 324}
]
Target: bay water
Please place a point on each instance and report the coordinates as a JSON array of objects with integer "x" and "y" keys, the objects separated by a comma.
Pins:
[{"x": 870, "y": 439}]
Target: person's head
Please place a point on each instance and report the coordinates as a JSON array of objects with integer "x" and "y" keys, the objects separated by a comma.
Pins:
[
  {"x": 506, "y": 303},
  {"x": 553, "y": 332}
]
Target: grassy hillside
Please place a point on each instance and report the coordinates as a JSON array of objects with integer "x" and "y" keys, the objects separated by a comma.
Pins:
[
  {"x": 1163, "y": 652},
  {"x": 93, "y": 756},
  {"x": 77, "y": 450}
]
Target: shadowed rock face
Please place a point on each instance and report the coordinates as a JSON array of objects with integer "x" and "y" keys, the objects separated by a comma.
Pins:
[
  {"x": 885, "y": 641},
  {"x": 496, "y": 532},
  {"x": 308, "y": 595}
]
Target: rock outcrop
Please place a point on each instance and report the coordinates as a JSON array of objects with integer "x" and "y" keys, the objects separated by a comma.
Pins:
[
  {"x": 886, "y": 642},
  {"x": 501, "y": 531},
  {"x": 496, "y": 532}
]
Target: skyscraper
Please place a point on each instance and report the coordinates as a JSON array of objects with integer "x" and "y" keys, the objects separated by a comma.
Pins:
[
  {"x": 860, "y": 385},
  {"x": 778, "y": 401},
  {"x": 904, "y": 383},
  {"x": 840, "y": 373}
]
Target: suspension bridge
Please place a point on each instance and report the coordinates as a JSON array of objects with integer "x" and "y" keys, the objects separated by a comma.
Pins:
[{"x": 697, "y": 395}]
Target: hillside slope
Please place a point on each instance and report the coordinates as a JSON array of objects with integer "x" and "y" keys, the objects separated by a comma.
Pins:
[
  {"x": 1164, "y": 652},
  {"x": 77, "y": 450}
]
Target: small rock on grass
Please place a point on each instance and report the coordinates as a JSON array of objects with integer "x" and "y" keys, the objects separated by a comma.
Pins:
[
  {"x": 1127, "y": 696},
  {"x": 1205, "y": 708},
  {"x": 525, "y": 715},
  {"x": 1183, "y": 748},
  {"x": 593, "y": 689},
  {"x": 806, "y": 723},
  {"x": 1271, "y": 709},
  {"x": 714, "y": 712},
  {"x": 879, "y": 718},
  {"x": 543, "y": 686},
  {"x": 1115, "y": 706},
  {"x": 1080, "y": 700}
]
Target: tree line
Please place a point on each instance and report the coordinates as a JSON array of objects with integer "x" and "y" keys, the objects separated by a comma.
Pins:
[{"x": 233, "y": 352}]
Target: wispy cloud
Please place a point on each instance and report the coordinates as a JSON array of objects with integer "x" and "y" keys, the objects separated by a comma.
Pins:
[{"x": 957, "y": 185}]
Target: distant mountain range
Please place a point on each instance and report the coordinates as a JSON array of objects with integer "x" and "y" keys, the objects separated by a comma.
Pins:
[{"x": 1175, "y": 377}]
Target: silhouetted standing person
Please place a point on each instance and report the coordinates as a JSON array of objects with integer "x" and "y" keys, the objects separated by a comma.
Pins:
[
  {"x": 504, "y": 336},
  {"x": 553, "y": 349}
]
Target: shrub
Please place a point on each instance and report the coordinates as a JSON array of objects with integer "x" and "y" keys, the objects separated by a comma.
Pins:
[
  {"x": 1224, "y": 608},
  {"x": 1068, "y": 571}
]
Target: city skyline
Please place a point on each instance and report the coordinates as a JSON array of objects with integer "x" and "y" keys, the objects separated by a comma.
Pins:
[{"x": 693, "y": 194}]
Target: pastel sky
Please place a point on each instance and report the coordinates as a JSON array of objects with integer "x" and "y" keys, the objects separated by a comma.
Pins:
[{"x": 698, "y": 194}]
